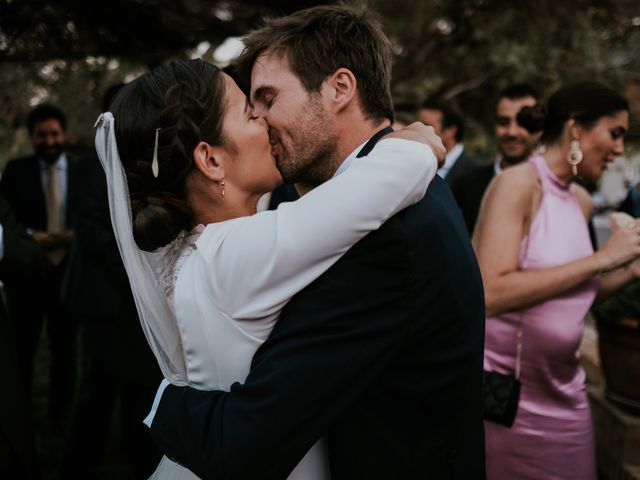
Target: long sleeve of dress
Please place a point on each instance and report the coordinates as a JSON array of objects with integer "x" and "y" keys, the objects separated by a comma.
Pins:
[{"x": 256, "y": 264}]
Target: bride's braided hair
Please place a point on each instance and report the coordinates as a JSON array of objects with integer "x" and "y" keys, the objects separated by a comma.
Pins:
[{"x": 184, "y": 100}]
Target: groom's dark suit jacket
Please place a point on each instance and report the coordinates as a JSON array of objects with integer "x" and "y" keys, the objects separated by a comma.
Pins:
[{"x": 382, "y": 353}]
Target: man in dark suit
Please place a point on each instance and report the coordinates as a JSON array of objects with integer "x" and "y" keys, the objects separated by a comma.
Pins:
[
  {"x": 383, "y": 353},
  {"x": 20, "y": 263},
  {"x": 449, "y": 126},
  {"x": 118, "y": 368},
  {"x": 39, "y": 188},
  {"x": 515, "y": 144}
]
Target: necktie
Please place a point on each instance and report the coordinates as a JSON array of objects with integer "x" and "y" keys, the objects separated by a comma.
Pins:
[
  {"x": 54, "y": 220},
  {"x": 54, "y": 223}
]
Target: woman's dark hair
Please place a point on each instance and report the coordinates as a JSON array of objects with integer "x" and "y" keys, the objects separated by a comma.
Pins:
[
  {"x": 532, "y": 118},
  {"x": 185, "y": 100},
  {"x": 584, "y": 102}
]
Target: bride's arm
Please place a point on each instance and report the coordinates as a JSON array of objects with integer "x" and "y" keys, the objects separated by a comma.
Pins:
[{"x": 258, "y": 263}]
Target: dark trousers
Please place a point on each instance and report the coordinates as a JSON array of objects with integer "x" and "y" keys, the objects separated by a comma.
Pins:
[
  {"x": 101, "y": 387},
  {"x": 29, "y": 306},
  {"x": 17, "y": 447},
  {"x": 11, "y": 464}
]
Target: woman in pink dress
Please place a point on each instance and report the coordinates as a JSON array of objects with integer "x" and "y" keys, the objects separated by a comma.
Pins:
[{"x": 541, "y": 277}]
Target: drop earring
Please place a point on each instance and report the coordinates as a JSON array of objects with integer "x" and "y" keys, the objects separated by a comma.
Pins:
[
  {"x": 222, "y": 186},
  {"x": 574, "y": 157}
]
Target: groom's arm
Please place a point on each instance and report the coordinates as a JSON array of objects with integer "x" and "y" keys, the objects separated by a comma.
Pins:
[{"x": 331, "y": 342}]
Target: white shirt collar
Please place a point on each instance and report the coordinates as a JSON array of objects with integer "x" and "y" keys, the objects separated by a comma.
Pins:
[
  {"x": 496, "y": 164},
  {"x": 347, "y": 161},
  {"x": 451, "y": 159},
  {"x": 60, "y": 163}
]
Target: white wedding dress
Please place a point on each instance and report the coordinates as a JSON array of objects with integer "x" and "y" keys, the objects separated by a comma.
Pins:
[{"x": 226, "y": 283}]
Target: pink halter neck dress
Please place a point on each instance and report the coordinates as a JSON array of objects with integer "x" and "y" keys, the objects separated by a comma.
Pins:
[{"x": 552, "y": 437}]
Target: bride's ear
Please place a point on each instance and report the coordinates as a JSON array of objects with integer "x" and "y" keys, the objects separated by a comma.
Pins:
[{"x": 210, "y": 161}]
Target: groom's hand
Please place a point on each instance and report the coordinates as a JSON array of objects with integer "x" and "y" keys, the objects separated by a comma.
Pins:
[{"x": 419, "y": 132}]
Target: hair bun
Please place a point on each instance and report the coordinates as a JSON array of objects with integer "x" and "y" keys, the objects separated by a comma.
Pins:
[
  {"x": 157, "y": 220},
  {"x": 532, "y": 118}
]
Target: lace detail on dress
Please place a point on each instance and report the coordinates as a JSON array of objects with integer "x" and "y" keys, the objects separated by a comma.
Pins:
[{"x": 168, "y": 260}]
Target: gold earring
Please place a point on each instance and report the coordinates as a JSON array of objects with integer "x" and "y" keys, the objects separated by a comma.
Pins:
[
  {"x": 574, "y": 157},
  {"x": 222, "y": 185}
]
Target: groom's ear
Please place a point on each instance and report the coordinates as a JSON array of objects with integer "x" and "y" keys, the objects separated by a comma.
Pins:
[
  {"x": 209, "y": 161},
  {"x": 343, "y": 88}
]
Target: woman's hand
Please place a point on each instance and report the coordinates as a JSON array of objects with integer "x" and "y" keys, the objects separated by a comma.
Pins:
[
  {"x": 419, "y": 132},
  {"x": 622, "y": 247}
]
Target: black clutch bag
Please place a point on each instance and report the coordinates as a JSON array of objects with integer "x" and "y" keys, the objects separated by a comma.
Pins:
[{"x": 501, "y": 394}]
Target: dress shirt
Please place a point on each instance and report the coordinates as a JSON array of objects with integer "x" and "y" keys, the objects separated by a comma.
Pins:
[
  {"x": 451, "y": 159},
  {"x": 61, "y": 166},
  {"x": 263, "y": 202},
  {"x": 496, "y": 164},
  {"x": 347, "y": 161}
]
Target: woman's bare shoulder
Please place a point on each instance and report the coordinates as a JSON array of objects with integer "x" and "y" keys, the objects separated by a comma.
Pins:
[
  {"x": 517, "y": 182},
  {"x": 523, "y": 173}
]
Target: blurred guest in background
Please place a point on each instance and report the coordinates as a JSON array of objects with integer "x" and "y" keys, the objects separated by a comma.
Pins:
[
  {"x": 117, "y": 363},
  {"x": 449, "y": 126},
  {"x": 541, "y": 276},
  {"x": 39, "y": 188},
  {"x": 515, "y": 144},
  {"x": 405, "y": 115},
  {"x": 20, "y": 264}
]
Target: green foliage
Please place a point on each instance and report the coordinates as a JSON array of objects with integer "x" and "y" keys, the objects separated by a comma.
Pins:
[
  {"x": 67, "y": 52},
  {"x": 468, "y": 51}
]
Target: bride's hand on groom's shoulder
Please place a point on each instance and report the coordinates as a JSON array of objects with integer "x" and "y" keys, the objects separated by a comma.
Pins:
[{"x": 419, "y": 132}]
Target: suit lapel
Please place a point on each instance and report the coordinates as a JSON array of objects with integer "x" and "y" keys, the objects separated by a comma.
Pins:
[
  {"x": 33, "y": 188},
  {"x": 459, "y": 168}
]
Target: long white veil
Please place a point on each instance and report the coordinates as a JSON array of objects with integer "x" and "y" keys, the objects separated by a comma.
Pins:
[{"x": 156, "y": 316}]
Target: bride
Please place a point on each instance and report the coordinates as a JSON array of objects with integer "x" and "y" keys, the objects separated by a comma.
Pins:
[{"x": 186, "y": 162}]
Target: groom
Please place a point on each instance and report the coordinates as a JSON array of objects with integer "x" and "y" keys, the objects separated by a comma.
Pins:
[{"x": 383, "y": 353}]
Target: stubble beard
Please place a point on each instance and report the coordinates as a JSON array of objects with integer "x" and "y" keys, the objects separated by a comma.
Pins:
[
  {"x": 310, "y": 156},
  {"x": 510, "y": 160},
  {"x": 51, "y": 154},
  {"x": 518, "y": 158}
]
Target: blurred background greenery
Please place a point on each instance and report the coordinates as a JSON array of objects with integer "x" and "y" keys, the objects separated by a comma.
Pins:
[{"x": 68, "y": 52}]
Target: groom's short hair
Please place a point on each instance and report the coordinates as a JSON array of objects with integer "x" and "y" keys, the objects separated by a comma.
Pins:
[{"x": 318, "y": 41}]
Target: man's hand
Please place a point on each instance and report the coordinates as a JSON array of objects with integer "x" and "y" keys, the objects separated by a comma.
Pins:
[
  {"x": 419, "y": 132},
  {"x": 50, "y": 240}
]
